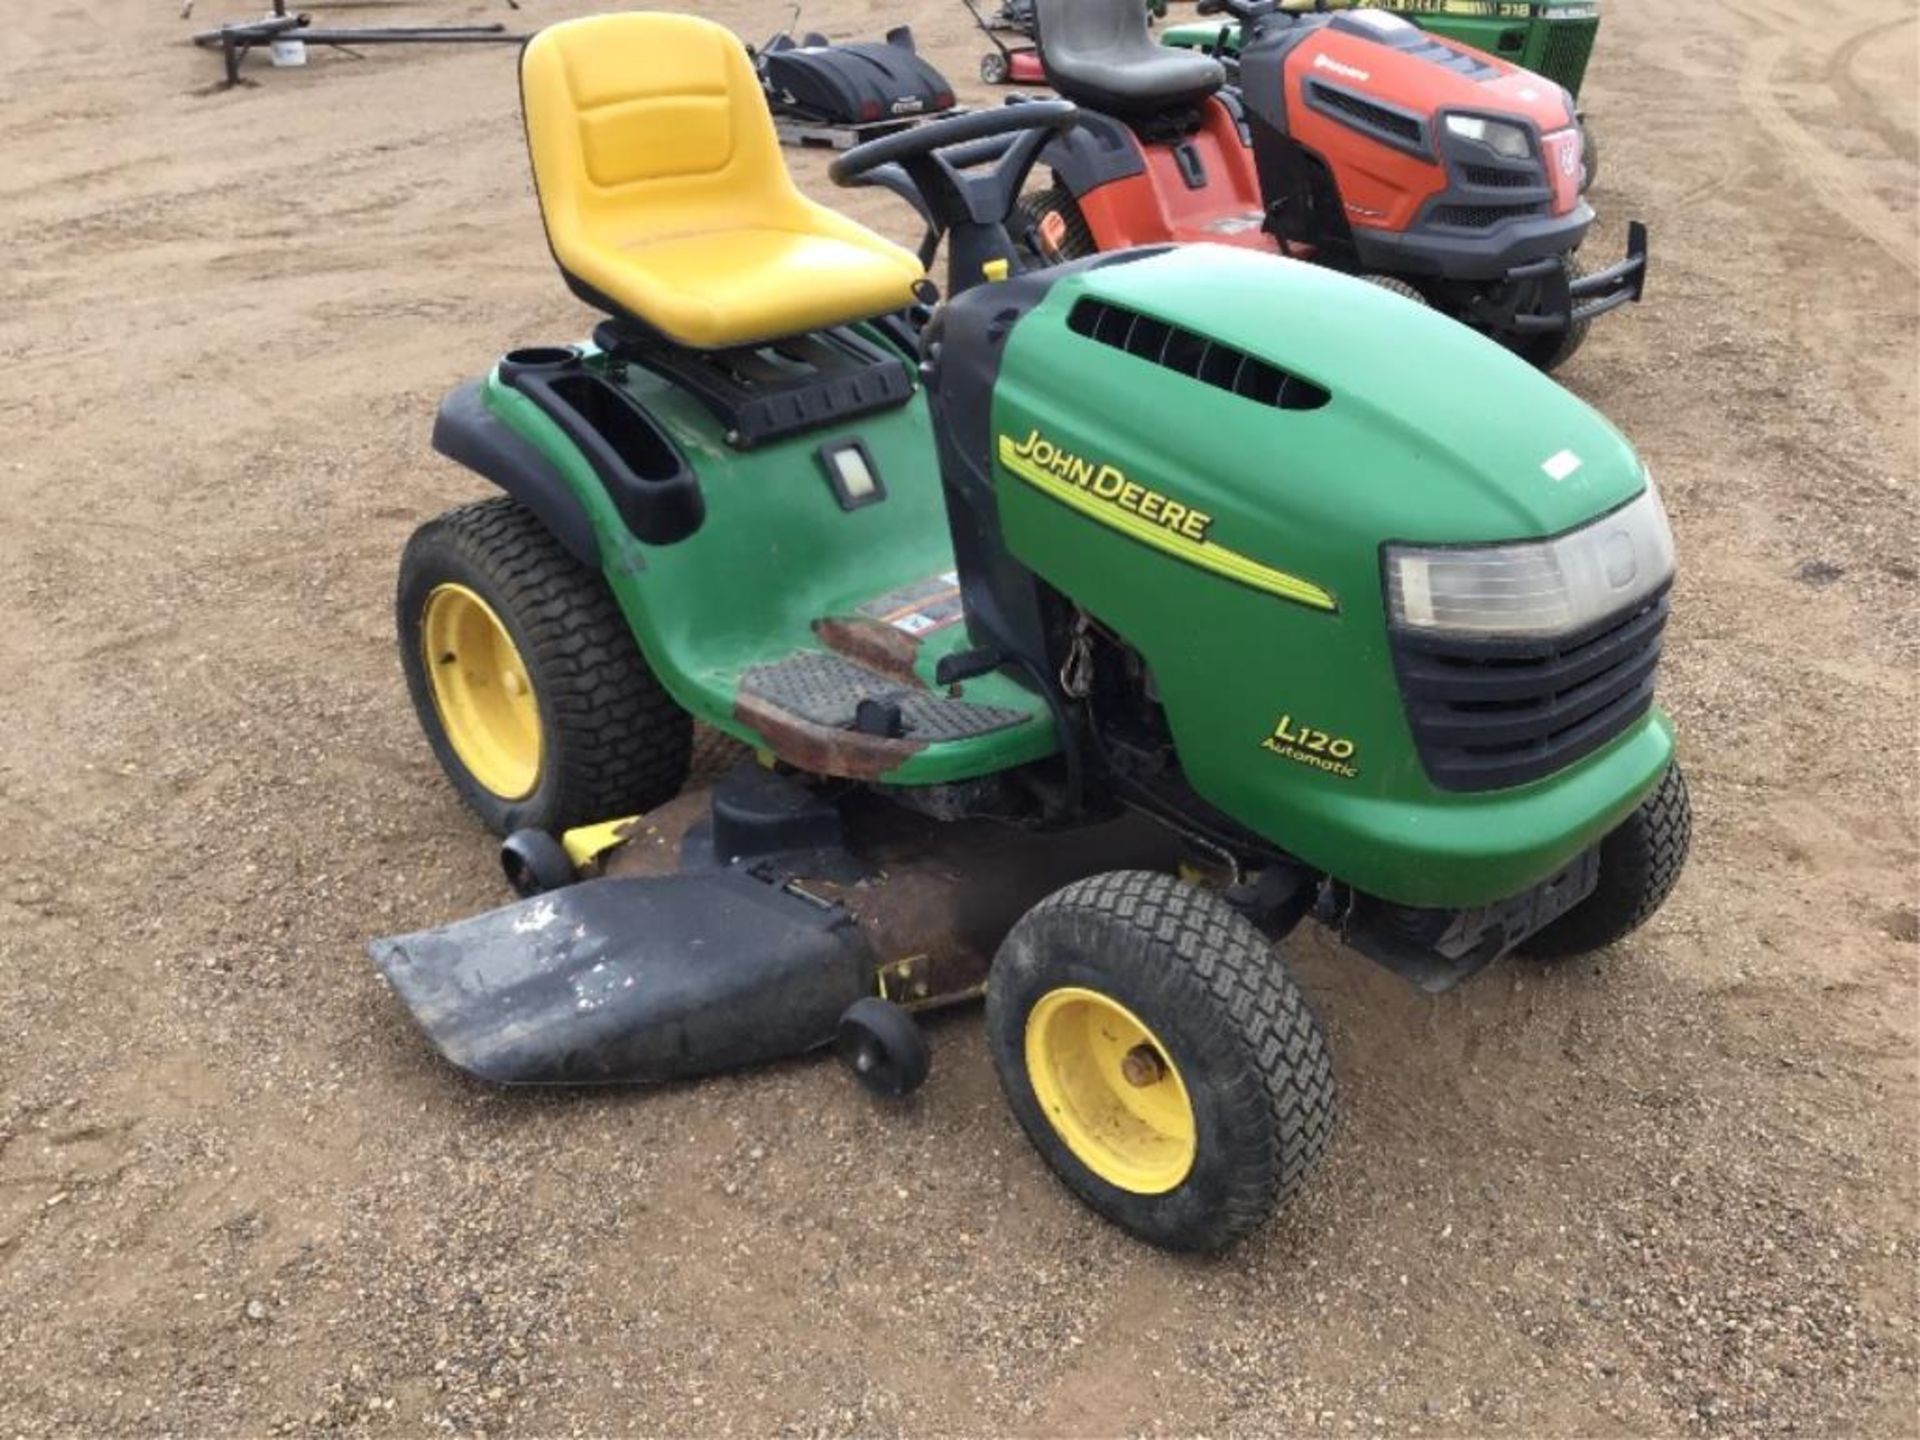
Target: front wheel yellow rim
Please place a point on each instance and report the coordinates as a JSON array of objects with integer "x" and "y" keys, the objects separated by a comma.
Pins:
[
  {"x": 481, "y": 691},
  {"x": 1110, "y": 1090}
]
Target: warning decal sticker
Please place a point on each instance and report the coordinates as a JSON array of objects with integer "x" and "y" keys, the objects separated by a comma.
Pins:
[{"x": 921, "y": 607}]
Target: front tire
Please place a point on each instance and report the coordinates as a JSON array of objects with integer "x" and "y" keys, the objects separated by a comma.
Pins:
[
  {"x": 1590, "y": 158},
  {"x": 1556, "y": 347},
  {"x": 1160, "y": 1057},
  {"x": 527, "y": 680},
  {"x": 1640, "y": 860}
]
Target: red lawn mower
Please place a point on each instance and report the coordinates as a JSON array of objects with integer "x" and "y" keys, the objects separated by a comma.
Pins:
[
  {"x": 1019, "y": 63},
  {"x": 1004, "y": 64},
  {"x": 1354, "y": 139}
]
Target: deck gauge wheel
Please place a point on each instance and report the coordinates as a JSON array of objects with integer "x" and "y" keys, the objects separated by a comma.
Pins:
[
  {"x": 535, "y": 863},
  {"x": 883, "y": 1047}
]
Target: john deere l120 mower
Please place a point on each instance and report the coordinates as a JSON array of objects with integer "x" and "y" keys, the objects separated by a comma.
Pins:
[
  {"x": 1048, "y": 696},
  {"x": 1552, "y": 38},
  {"x": 1352, "y": 139}
]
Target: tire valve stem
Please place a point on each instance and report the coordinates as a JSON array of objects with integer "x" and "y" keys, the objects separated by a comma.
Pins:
[{"x": 1143, "y": 1066}]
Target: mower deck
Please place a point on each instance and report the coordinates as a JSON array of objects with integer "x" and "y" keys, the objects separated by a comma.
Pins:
[{"x": 734, "y": 926}]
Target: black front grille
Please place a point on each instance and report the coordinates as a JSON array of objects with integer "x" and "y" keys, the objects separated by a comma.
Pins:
[
  {"x": 1487, "y": 714},
  {"x": 1477, "y": 217},
  {"x": 1498, "y": 179}
]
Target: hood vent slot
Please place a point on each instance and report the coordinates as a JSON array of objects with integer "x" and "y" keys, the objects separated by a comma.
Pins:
[
  {"x": 1394, "y": 126},
  {"x": 1449, "y": 58},
  {"x": 1187, "y": 353}
]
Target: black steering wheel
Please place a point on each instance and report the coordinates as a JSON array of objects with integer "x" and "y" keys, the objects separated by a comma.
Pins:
[
  {"x": 936, "y": 167},
  {"x": 921, "y": 141}
]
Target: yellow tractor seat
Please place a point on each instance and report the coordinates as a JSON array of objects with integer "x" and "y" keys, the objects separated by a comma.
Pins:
[{"x": 665, "y": 196}]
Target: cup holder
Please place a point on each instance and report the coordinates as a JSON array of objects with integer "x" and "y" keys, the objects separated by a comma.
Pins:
[
  {"x": 538, "y": 357},
  {"x": 645, "y": 475}
]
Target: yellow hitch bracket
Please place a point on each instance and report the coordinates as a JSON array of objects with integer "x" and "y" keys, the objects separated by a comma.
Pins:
[
  {"x": 903, "y": 981},
  {"x": 585, "y": 844}
]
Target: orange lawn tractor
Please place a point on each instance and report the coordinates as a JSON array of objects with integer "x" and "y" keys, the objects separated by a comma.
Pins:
[{"x": 1352, "y": 139}]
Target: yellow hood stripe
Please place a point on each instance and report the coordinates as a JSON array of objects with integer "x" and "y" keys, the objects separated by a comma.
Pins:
[{"x": 1203, "y": 553}]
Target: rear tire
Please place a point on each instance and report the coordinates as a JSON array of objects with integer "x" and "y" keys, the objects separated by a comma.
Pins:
[
  {"x": 993, "y": 68},
  {"x": 610, "y": 740},
  {"x": 1640, "y": 859},
  {"x": 1075, "y": 238},
  {"x": 1160, "y": 1057}
]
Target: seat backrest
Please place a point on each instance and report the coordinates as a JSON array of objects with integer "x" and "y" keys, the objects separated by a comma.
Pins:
[
  {"x": 1097, "y": 53},
  {"x": 1100, "y": 31},
  {"x": 647, "y": 124}
]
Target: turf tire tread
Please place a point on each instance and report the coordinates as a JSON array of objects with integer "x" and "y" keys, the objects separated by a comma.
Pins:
[
  {"x": 1640, "y": 862},
  {"x": 622, "y": 745},
  {"x": 1227, "y": 975}
]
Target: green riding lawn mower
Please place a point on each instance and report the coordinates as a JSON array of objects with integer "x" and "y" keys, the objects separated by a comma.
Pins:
[
  {"x": 1087, "y": 630},
  {"x": 1553, "y": 38}
]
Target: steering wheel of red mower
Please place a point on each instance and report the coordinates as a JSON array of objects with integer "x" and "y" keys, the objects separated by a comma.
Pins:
[
  {"x": 936, "y": 168},
  {"x": 1245, "y": 10}
]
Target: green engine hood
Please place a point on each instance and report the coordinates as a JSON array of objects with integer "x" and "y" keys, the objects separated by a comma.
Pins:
[
  {"x": 1432, "y": 432},
  {"x": 1236, "y": 545}
]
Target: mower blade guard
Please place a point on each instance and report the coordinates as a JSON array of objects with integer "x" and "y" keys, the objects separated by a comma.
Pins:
[{"x": 632, "y": 979}]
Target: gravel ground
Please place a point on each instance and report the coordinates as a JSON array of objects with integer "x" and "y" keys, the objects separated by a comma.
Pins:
[{"x": 1667, "y": 1191}]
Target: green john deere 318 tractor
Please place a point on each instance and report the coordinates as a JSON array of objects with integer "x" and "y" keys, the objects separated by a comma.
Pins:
[
  {"x": 1553, "y": 38},
  {"x": 1089, "y": 630}
]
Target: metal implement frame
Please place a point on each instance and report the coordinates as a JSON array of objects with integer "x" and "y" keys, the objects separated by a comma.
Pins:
[{"x": 236, "y": 38}]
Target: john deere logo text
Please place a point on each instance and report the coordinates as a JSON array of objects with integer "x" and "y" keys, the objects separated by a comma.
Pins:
[
  {"x": 1308, "y": 746},
  {"x": 1104, "y": 482},
  {"x": 1103, "y": 494}
]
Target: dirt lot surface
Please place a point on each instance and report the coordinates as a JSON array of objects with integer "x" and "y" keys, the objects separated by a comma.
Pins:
[{"x": 1671, "y": 1191}]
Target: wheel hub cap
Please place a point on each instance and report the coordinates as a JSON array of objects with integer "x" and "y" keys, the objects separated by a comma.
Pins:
[
  {"x": 481, "y": 691},
  {"x": 1110, "y": 1090}
]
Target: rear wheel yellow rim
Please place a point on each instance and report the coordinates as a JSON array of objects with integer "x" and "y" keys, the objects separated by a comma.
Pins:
[
  {"x": 1110, "y": 1090},
  {"x": 481, "y": 691}
]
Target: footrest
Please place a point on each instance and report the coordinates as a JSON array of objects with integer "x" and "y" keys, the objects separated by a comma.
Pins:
[
  {"x": 805, "y": 708},
  {"x": 826, "y": 690}
]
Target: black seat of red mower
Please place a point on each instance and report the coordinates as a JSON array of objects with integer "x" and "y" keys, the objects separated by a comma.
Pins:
[{"x": 1097, "y": 53}]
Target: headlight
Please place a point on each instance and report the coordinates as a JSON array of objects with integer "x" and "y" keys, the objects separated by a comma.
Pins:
[
  {"x": 1536, "y": 588},
  {"x": 1497, "y": 135}
]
